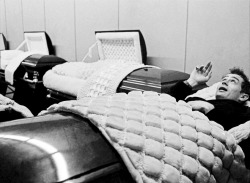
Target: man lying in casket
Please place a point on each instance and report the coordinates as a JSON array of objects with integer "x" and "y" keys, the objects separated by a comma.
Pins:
[
  {"x": 10, "y": 110},
  {"x": 229, "y": 106},
  {"x": 162, "y": 140}
]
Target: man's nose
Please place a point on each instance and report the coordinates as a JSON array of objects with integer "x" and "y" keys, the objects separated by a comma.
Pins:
[{"x": 225, "y": 82}]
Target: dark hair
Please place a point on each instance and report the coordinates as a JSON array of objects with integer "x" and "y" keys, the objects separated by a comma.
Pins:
[{"x": 245, "y": 86}]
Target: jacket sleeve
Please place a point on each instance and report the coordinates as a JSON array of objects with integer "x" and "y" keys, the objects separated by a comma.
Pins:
[{"x": 180, "y": 91}]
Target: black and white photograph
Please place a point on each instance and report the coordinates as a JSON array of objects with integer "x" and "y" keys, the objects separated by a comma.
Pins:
[{"x": 124, "y": 91}]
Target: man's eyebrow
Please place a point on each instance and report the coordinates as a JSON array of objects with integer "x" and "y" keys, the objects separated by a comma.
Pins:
[
  {"x": 225, "y": 76},
  {"x": 235, "y": 78}
]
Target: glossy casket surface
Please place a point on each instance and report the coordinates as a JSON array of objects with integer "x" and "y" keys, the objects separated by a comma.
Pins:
[{"x": 58, "y": 147}]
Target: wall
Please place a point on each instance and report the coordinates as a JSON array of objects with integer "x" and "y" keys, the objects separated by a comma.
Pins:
[
  {"x": 179, "y": 34},
  {"x": 218, "y": 30}
]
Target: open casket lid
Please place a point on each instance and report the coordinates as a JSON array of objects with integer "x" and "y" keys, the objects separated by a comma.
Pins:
[
  {"x": 3, "y": 44},
  {"x": 38, "y": 41},
  {"x": 127, "y": 45}
]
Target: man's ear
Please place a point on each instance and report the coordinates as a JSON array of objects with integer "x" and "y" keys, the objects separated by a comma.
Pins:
[{"x": 243, "y": 97}]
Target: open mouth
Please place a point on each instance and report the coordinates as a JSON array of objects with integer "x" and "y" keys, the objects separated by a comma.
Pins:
[{"x": 222, "y": 88}]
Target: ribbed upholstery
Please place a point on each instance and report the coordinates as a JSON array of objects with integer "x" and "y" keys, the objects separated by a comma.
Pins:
[
  {"x": 161, "y": 140},
  {"x": 119, "y": 49},
  {"x": 92, "y": 79},
  {"x": 106, "y": 80}
]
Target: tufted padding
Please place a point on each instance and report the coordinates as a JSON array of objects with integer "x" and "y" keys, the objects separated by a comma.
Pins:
[
  {"x": 161, "y": 140},
  {"x": 82, "y": 79},
  {"x": 119, "y": 49},
  {"x": 121, "y": 45},
  {"x": 108, "y": 77}
]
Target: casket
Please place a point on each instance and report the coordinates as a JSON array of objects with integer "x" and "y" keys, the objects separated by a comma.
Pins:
[
  {"x": 66, "y": 82},
  {"x": 162, "y": 140},
  {"x": 36, "y": 43},
  {"x": 60, "y": 147},
  {"x": 29, "y": 88},
  {"x": 151, "y": 79},
  {"x": 23, "y": 70},
  {"x": 145, "y": 79}
]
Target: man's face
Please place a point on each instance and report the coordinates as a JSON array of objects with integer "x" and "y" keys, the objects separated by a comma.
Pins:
[{"x": 230, "y": 87}]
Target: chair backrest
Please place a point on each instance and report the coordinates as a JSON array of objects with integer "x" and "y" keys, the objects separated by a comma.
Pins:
[
  {"x": 36, "y": 41},
  {"x": 126, "y": 44},
  {"x": 3, "y": 43}
]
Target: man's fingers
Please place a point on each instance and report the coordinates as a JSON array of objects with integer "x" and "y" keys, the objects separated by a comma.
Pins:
[
  {"x": 209, "y": 75},
  {"x": 205, "y": 70},
  {"x": 208, "y": 70},
  {"x": 208, "y": 65},
  {"x": 198, "y": 68}
]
